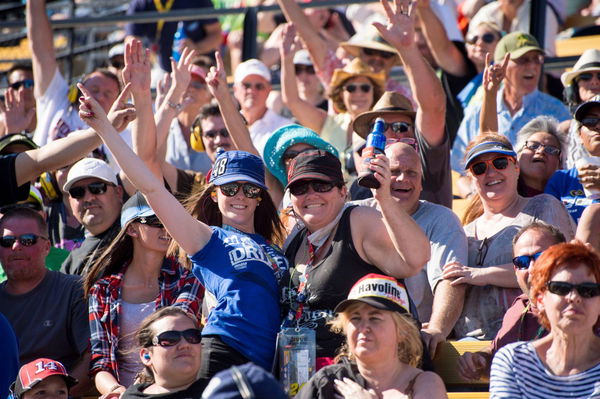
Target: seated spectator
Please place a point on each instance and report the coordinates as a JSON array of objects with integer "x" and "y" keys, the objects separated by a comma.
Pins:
[
  {"x": 170, "y": 350},
  {"x": 579, "y": 186},
  {"x": 255, "y": 380},
  {"x": 520, "y": 322},
  {"x": 17, "y": 110},
  {"x": 130, "y": 280},
  {"x": 495, "y": 214},
  {"x": 518, "y": 101},
  {"x": 43, "y": 379},
  {"x": 382, "y": 349},
  {"x": 438, "y": 302},
  {"x": 46, "y": 308},
  {"x": 565, "y": 363}
]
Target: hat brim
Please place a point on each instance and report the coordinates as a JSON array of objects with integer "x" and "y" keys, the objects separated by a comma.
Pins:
[
  {"x": 340, "y": 76},
  {"x": 584, "y": 108},
  {"x": 568, "y": 77},
  {"x": 379, "y": 303},
  {"x": 362, "y": 123},
  {"x": 70, "y": 183},
  {"x": 311, "y": 176},
  {"x": 354, "y": 48},
  {"x": 70, "y": 381},
  {"x": 488, "y": 151},
  {"x": 230, "y": 178},
  {"x": 520, "y": 52}
]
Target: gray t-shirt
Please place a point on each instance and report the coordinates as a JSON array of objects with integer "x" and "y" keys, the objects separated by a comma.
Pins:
[
  {"x": 485, "y": 306},
  {"x": 51, "y": 320}
]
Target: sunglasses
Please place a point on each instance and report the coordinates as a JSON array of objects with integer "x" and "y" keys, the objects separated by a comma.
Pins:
[
  {"x": 548, "y": 149},
  {"x": 396, "y": 127},
  {"x": 406, "y": 140},
  {"x": 117, "y": 64},
  {"x": 27, "y": 83},
  {"x": 562, "y": 288},
  {"x": 151, "y": 221},
  {"x": 211, "y": 134},
  {"x": 300, "y": 69},
  {"x": 27, "y": 240},
  {"x": 231, "y": 189},
  {"x": 94, "y": 188},
  {"x": 256, "y": 86},
  {"x": 590, "y": 122},
  {"x": 351, "y": 88},
  {"x": 499, "y": 163},
  {"x": 172, "y": 337},
  {"x": 486, "y": 38},
  {"x": 587, "y": 76},
  {"x": 301, "y": 187},
  {"x": 537, "y": 59},
  {"x": 383, "y": 54},
  {"x": 522, "y": 262}
]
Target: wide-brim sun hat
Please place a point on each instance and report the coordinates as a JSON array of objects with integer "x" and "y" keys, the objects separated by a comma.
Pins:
[
  {"x": 390, "y": 103},
  {"x": 355, "y": 69},
  {"x": 589, "y": 61},
  {"x": 232, "y": 166},
  {"x": 285, "y": 137},
  {"x": 517, "y": 44},
  {"x": 370, "y": 39},
  {"x": 380, "y": 291},
  {"x": 488, "y": 147}
]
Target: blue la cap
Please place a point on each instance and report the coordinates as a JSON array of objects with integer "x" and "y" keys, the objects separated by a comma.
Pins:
[
  {"x": 135, "y": 207},
  {"x": 228, "y": 384},
  {"x": 486, "y": 148},
  {"x": 231, "y": 166}
]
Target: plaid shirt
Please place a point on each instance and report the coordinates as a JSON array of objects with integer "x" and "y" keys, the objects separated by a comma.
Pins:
[{"x": 178, "y": 287}]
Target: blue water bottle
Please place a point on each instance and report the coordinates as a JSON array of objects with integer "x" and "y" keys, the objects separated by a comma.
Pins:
[
  {"x": 177, "y": 39},
  {"x": 375, "y": 145}
]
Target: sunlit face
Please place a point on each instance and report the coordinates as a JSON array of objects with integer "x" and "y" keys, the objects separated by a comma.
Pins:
[
  {"x": 378, "y": 61},
  {"x": 19, "y": 75},
  {"x": 371, "y": 334},
  {"x": 237, "y": 211},
  {"x": 252, "y": 92},
  {"x": 496, "y": 184},
  {"x": 97, "y": 212},
  {"x": 318, "y": 209},
  {"x": 196, "y": 95},
  {"x": 537, "y": 164},
  {"x": 571, "y": 312},
  {"x": 307, "y": 81},
  {"x": 530, "y": 243},
  {"x": 477, "y": 49},
  {"x": 53, "y": 387},
  {"x": 211, "y": 137},
  {"x": 20, "y": 262},
  {"x": 588, "y": 88},
  {"x": 103, "y": 89},
  {"x": 405, "y": 166},
  {"x": 523, "y": 74},
  {"x": 590, "y": 137},
  {"x": 391, "y": 118},
  {"x": 358, "y": 100}
]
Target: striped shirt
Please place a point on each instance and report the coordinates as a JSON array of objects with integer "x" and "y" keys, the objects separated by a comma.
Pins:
[{"x": 517, "y": 372}]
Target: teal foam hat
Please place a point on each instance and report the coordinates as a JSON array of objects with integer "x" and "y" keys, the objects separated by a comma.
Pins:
[{"x": 285, "y": 137}]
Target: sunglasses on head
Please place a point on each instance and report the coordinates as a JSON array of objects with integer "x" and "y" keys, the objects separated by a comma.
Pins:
[
  {"x": 548, "y": 149},
  {"x": 590, "y": 122},
  {"x": 256, "y": 86},
  {"x": 522, "y": 262},
  {"x": 211, "y": 134},
  {"x": 172, "y": 337},
  {"x": 499, "y": 163},
  {"x": 250, "y": 190},
  {"x": 562, "y": 288},
  {"x": 487, "y": 37},
  {"x": 372, "y": 52},
  {"x": 27, "y": 240},
  {"x": 587, "y": 76},
  {"x": 299, "y": 68},
  {"x": 26, "y": 83},
  {"x": 364, "y": 87},
  {"x": 318, "y": 186},
  {"x": 151, "y": 221},
  {"x": 97, "y": 188}
]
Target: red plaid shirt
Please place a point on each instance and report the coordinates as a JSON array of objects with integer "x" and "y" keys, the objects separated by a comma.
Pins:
[{"x": 178, "y": 287}]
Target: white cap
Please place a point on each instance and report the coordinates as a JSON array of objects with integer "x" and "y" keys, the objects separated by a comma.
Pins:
[
  {"x": 251, "y": 67},
  {"x": 302, "y": 58},
  {"x": 90, "y": 167}
]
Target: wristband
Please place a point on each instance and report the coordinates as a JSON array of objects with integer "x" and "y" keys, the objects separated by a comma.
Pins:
[{"x": 177, "y": 107}]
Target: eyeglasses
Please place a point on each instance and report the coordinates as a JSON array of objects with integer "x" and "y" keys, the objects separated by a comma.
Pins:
[
  {"x": 548, "y": 149},
  {"x": 499, "y": 163},
  {"x": 482, "y": 252},
  {"x": 406, "y": 140},
  {"x": 197, "y": 84},
  {"x": 318, "y": 186},
  {"x": 97, "y": 188},
  {"x": 590, "y": 122},
  {"x": 537, "y": 59},
  {"x": 351, "y": 88},
  {"x": 396, "y": 127},
  {"x": 369, "y": 52},
  {"x": 587, "y": 76},
  {"x": 27, "y": 240},
  {"x": 487, "y": 37},
  {"x": 256, "y": 86},
  {"x": 211, "y": 134},
  {"x": 151, "y": 221},
  {"x": 308, "y": 69},
  {"x": 26, "y": 83},
  {"x": 562, "y": 288},
  {"x": 172, "y": 337},
  {"x": 522, "y": 262},
  {"x": 231, "y": 189}
]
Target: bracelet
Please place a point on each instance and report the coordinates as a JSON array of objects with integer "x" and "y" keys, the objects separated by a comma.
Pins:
[
  {"x": 115, "y": 387},
  {"x": 177, "y": 107}
]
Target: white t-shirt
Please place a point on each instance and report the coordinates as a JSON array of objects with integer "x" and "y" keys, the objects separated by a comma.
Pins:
[{"x": 261, "y": 130}]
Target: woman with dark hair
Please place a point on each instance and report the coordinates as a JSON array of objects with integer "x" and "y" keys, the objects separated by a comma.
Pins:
[
  {"x": 566, "y": 362},
  {"x": 239, "y": 272},
  {"x": 130, "y": 280}
]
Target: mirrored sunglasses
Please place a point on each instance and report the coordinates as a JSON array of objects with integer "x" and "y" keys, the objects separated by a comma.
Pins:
[
  {"x": 364, "y": 87},
  {"x": 250, "y": 190},
  {"x": 487, "y": 37},
  {"x": 97, "y": 188},
  {"x": 548, "y": 149},
  {"x": 524, "y": 261},
  {"x": 26, "y": 83},
  {"x": 372, "y": 52},
  {"x": 562, "y": 288},
  {"x": 27, "y": 240},
  {"x": 172, "y": 337},
  {"x": 318, "y": 186},
  {"x": 396, "y": 127},
  {"x": 498, "y": 163},
  {"x": 211, "y": 134}
]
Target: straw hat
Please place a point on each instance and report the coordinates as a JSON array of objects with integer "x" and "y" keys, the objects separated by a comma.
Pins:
[
  {"x": 589, "y": 61},
  {"x": 389, "y": 103},
  {"x": 354, "y": 69}
]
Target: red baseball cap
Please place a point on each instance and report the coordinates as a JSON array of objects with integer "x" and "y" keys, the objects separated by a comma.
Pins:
[{"x": 35, "y": 372}]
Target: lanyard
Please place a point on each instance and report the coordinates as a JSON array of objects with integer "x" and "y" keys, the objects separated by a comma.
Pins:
[
  {"x": 160, "y": 8},
  {"x": 540, "y": 331}
]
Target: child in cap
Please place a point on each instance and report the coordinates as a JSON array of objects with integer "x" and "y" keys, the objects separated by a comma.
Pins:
[{"x": 45, "y": 375}]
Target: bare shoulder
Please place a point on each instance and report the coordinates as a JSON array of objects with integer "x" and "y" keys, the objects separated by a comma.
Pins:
[{"x": 429, "y": 385}]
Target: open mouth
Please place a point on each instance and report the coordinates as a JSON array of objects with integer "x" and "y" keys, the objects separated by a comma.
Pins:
[
  {"x": 239, "y": 207},
  {"x": 493, "y": 183}
]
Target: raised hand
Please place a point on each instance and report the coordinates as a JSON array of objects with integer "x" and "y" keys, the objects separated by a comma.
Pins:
[
  {"x": 381, "y": 166},
  {"x": 494, "y": 74},
  {"x": 288, "y": 44},
  {"x": 12, "y": 112},
  {"x": 400, "y": 28},
  {"x": 348, "y": 389},
  {"x": 181, "y": 74},
  {"x": 92, "y": 113},
  {"x": 162, "y": 88},
  {"x": 216, "y": 79},
  {"x": 461, "y": 274},
  {"x": 137, "y": 67}
]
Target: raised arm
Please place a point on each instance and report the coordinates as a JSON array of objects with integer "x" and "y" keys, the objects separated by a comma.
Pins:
[
  {"x": 492, "y": 79},
  {"x": 588, "y": 228},
  {"x": 426, "y": 87},
  {"x": 307, "y": 114},
  {"x": 41, "y": 44},
  {"x": 190, "y": 233}
]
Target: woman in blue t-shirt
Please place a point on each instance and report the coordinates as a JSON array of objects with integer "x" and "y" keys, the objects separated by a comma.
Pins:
[{"x": 236, "y": 270}]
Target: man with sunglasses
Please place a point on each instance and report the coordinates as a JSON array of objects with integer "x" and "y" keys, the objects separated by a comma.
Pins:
[
  {"x": 95, "y": 197},
  {"x": 46, "y": 308},
  {"x": 15, "y": 117},
  {"x": 520, "y": 322}
]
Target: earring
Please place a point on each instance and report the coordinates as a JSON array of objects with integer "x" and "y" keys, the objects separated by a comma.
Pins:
[{"x": 147, "y": 356}]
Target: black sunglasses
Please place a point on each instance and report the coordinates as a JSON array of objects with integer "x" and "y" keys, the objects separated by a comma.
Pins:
[
  {"x": 383, "y": 54},
  {"x": 299, "y": 68},
  {"x": 318, "y": 186},
  {"x": 27, "y": 83},
  {"x": 548, "y": 149},
  {"x": 590, "y": 122},
  {"x": 396, "y": 127},
  {"x": 118, "y": 64},
  {"x": 487, "y": 37},
  {"x": 587, "y": 76},
  {"x": 522, "y": 262},
  {"x": 97, "y": 188},
  {"x": 211, "y": 134},
  {"x": 499, "y": 163},
  {"x": 151, "y": 221},
  {"x": 231, "y": 189},
  {"x": 27, "y": 240},
  {"x": 562, "y": 288},
  {"x": 172, "y": 337},
  {"x": 351, "y": 88}
]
